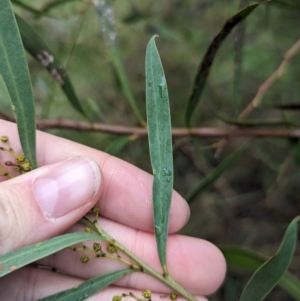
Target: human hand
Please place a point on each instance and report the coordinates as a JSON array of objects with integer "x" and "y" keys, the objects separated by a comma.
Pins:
[{"x": 123, "y": 194}]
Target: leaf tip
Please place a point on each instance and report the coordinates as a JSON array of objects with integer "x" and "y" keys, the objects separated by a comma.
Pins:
[{"x": 154, "y": 37}]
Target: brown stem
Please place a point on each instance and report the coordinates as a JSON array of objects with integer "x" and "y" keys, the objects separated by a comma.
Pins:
[
  {"x": 255, "y": 102},
  {"x": 140, "y": 132}
]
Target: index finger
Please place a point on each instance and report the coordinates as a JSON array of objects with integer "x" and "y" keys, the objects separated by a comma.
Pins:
[{"x": 127, "y": 192}]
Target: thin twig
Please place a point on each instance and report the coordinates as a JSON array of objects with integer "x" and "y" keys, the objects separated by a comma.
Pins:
[
  {"x": 255, "y": 102},
  {"x": 141, "y": 266},
  {"x": 139, "y": 132}
]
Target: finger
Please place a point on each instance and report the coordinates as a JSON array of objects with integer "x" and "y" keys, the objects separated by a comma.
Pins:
[
  {"x": 196, "y": 264},
  {"x": 34, "y": 284},
  {"x": 127, "y": 191},
  {"x": 45, "y": 202}
]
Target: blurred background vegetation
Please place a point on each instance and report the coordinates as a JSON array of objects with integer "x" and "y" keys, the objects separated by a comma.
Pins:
[{"x": 254, "y": 199}]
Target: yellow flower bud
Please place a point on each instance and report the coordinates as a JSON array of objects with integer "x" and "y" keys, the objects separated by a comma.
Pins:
[
  {"x": 147, "y": 294},
  {"x": 111, "y": 248},
  {"x": 4, "y": 139},
  {"x": 88, "y": 230},
  {"x": 21, "y": 158},
  {"x": 26, "y": 166},
  {"x": 96, "y": 246},
  {"x": 95, "y": 210},
  {"x": 84, "y": 259},
  {"x": 16, "y": 168}
]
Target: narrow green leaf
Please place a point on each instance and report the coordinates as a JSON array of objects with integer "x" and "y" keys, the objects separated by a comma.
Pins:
[
  {"x": 118, "y": 144},
  {"x": 93, "y": 109},
  {"x": 242, "y": 257},
  {"x": 21, "y": 257},
  {"x": 253, "y": 123},
  {"x": 216, "y": 173},
  {"x": 46, "y": 8},
  {"x": 270, "y": 273},
  {"x": 207, "y": 61},
  {"x": 88, "y": 288},
  {"x": 36, "y": 46},
  {"x": 160, "y": 144},
  {"x": 14, "y": 70},
  {"x": 109, "y": 30},
  {"x": 53, "y": 4},
  {"x": 251, "y": 261},
  {"x": 25, "y": 6}
]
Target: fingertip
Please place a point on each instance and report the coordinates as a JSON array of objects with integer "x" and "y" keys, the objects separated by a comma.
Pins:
[
  {"x": 199, "y": 265},
  {"x": 179, "y": 214},
  {"x": 215, "y": 267},
  {"x": 46, "y": 201}
]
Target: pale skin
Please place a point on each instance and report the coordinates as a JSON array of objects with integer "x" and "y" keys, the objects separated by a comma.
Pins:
[{"x": 124, "y": 199}]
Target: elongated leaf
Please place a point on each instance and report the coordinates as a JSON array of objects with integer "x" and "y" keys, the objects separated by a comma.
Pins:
[
  {"x": 117, "y": 145},
  {"x": 160, "y": 144},
  {"x": 14, "y": 70},
  {"x": 88, "y": 288},
  {"x": 46, "y": 8},
  {"x": 251, "y": 261},
  {"x": 254, "y": 123},
  {"x": 36, "y": 46},
  {"x": 21, "y": 257},
  {"x": 216, "y": 173},
  {"x": 108, "y": 27},
  {"x": 207, "y": 61},
  {"x": 25, "y": 6},
  {"x": 270, "y": 273},
  {"x": 53, "y": 4}
]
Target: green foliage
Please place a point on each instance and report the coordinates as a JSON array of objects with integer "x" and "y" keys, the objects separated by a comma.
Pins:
[
  {"x": 251, "y": 261},
  {"x": 14, "y": 71},
  {"x": 216, "y": 173},
  {"x": 109, "y": 31},
  {"x": 207, "y": 61},
  {"x": 21, "y": 257},
  {"x": 160, "y": 145},
  {"x": 270, "y": 273},
  {"x": 88, "y": 288},
  {"x": 35, "y": 45},
  {"x": 117, "y": 145},
  {"x": 266, "y": 165}
]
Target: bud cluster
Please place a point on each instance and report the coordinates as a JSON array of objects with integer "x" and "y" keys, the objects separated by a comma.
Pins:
[{"x": 19, "y": 164}]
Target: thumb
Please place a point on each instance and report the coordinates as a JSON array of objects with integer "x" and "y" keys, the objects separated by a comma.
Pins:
[{"x": 46, "y": 201}]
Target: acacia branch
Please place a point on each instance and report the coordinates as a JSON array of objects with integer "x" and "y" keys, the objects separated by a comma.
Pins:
[
  {"x": 176, "y": 132},
  {"x": 255, "y": 102},
  {"x": 271, "y": 80},
  {"x": 139, "y": 132}
]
